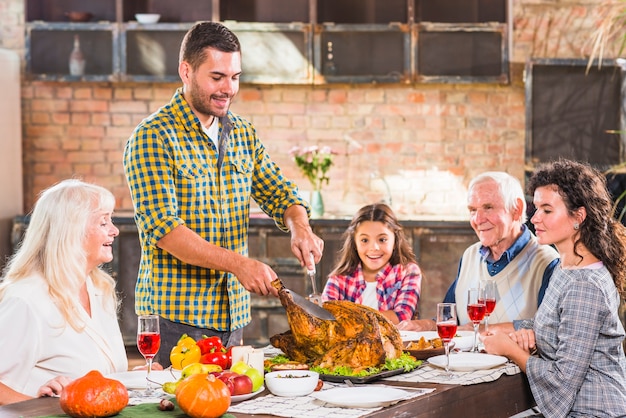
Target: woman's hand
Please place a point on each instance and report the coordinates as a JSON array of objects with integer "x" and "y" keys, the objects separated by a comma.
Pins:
[
  {"x": 53, "y": 387},
  {"x": 514, "y": 345},
  {"x": 525, "y": 339}
]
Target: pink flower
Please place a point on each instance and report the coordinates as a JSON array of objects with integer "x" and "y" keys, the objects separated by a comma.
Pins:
[{"x": 314, "y": 163}]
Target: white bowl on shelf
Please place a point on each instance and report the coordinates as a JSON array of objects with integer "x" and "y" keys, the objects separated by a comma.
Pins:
[
  {"x": 291, "y": 382},
  {"x": 147, "y": 17}
]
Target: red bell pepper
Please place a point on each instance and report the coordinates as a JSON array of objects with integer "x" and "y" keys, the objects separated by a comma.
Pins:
[
  {"x": 229, "y": 356},
  {"x": 219, "y": 357},
  {"x": 210, "y": 344}
]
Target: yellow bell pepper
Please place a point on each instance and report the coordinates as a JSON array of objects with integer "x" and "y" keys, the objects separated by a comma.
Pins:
[
  {"x": 185, "y": 340},
  {"x": 184, "y": 353}
]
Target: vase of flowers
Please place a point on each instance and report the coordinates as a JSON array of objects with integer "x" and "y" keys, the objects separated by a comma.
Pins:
[{"x": 314, "y": 162}]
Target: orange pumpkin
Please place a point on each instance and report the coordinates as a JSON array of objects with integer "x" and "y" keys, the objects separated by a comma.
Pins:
[
  {"x": 93, "y": 396},
  {"x": 203, "y": 396}
]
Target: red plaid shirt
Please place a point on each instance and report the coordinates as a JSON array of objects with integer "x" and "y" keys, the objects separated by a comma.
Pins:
[{"x": 397, "y": 288}]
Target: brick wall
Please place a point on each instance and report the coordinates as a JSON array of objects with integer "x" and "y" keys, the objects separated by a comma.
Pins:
[{"x": 425, "y": 141}]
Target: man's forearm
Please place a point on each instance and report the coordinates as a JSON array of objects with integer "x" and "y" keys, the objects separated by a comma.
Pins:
[{"x": 189, "y": 247}]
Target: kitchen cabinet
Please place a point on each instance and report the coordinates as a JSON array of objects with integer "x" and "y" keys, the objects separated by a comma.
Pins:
[{"x": 283, "y": 41}]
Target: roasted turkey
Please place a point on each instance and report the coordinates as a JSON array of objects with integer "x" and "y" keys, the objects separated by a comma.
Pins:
[{"x": 360, "y": 337}]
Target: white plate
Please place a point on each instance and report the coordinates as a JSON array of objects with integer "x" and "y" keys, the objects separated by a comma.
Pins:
[
  {"x": 463, "y": 341},
  {"x": 468, "y": 362},
  {"x": 240, "y": 398},
  {"x": 415, "y": 335},
  {"x": 136, "y": 379},
  {"x": 361, "y": 397}
]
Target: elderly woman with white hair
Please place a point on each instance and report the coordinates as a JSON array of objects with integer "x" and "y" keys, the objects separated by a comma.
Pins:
[{"x": 58, "y": 308}]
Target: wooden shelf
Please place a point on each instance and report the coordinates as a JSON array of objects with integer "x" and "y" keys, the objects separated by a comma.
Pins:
[{"x": 283, "y": 41}]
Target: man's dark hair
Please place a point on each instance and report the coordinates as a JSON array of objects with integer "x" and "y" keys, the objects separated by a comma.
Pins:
[{"x": 203, "y": 35}]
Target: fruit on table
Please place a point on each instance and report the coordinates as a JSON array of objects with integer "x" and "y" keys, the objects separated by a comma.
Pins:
[
  {"x": 239, "y": 367},
  {"x": 203, "y": 396},
  {"x": 210, "y": 344},
  {"x": 213, "y": 352},
  {"x": 93, "y": 396},
  {"x": 195, "y": 368},
  {"x": 185, "y": 352},
  {"x": 170, "y": 387},
  {"x": 218, "y": 357},
  {"x": 238, "y": 384},
  {"x": 191, "y": 369},
  {"x": 256, "y": 377}
]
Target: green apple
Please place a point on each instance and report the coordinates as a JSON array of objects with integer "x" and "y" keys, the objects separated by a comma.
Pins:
[
  {"x": 257, "y": 378},
  {"x": 240, "y": 367}
]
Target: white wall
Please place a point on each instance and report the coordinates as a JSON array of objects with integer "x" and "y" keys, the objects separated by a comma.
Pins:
[{"x": 11, "y": 190}]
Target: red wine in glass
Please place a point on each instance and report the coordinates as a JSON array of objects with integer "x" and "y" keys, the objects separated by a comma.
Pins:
[
  {"x": 490, "y": 305},
  {"x": 476, "y": 312},
  {"x": 446, "y": 328},
  {"x": 446, "y": 331},
  {"x": 149, "y": 344},
  {"x": 489, "y": 300}
]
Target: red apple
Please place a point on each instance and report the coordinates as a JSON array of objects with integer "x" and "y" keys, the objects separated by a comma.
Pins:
[
  {"x": 226, "y": 377},
  {"x": 242, "y": 384}
]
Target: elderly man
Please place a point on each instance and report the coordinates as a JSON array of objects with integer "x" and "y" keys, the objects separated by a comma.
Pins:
[{"x": 507, "y": 252}]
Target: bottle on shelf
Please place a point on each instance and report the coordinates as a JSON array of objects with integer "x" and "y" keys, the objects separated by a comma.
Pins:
[{"x": 77, "y": 59}]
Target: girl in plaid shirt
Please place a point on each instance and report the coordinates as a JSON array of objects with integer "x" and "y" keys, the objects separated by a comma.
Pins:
[{"x": 377, "y": 266}]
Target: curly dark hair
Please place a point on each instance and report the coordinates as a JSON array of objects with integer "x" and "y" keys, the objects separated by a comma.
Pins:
[
  {"x": 581, "y": 185},
  {"x": 204, "y": 35},
  {"x": 377, "y": 212}
]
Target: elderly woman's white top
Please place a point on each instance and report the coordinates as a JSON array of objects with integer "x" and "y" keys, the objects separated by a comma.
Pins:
[{"x": 37, "y": 345}]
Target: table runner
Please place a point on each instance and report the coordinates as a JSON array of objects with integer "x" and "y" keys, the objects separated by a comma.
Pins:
[
  {"x": 430, "y": 374},
  {"x": 307, "y": 406}
]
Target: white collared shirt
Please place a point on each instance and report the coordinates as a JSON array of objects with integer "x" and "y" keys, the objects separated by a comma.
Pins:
[{"x": 36, "y": 345}]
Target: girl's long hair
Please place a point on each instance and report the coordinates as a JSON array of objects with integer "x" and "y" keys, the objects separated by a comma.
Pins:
[
  {"x": 377, "y": 212},
  {"x": 53, "y": 247}
]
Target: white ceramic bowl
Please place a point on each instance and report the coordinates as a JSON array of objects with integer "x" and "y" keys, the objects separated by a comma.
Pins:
[
  {"x": 147, "y": 17},
  {"x": 291, "y": 382}
]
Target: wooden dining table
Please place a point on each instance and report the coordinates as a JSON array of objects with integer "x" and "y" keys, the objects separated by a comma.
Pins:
[{"x": 504, "y": 397}]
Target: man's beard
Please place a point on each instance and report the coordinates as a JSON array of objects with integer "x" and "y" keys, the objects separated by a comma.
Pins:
[{"x": 201, "y": 102}]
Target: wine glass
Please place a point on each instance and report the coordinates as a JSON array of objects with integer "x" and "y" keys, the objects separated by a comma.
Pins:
[
  {"x": 148, "y": 342},
  {"x": 490, "y": 300},
  {"x": 476, "y": 310},
  {"x": 446, "y": 328}
]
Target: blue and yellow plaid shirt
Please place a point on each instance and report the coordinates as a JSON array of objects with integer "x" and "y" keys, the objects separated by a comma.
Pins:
[{"x": 177, "y": 177}]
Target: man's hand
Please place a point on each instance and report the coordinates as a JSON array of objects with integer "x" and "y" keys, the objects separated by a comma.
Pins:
[
  {"x": 256, "y": 277},
  {"x": 303, "y": 241}
]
